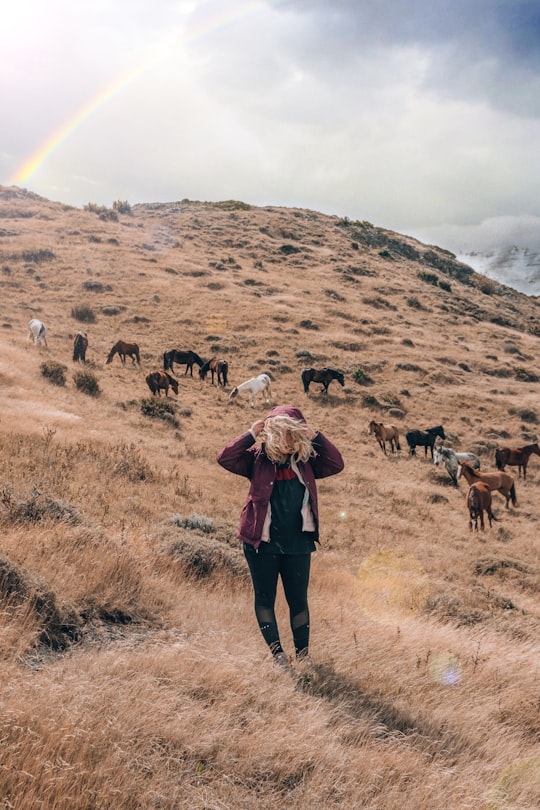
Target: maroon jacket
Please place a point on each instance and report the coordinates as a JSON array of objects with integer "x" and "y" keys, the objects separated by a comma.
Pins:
[{"x": 243, "y": 457}]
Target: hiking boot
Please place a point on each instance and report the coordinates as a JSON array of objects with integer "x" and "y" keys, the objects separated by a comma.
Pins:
[{"x": 281, "y": 661}]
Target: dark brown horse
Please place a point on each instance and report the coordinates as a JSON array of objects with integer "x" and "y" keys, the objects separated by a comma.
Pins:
[
  {"x": 324, "y": 376},
  {"x": 500, "y": 481},
  {"x": 424, "y": 438},
  {"x": 158, "y": 381},
  {"x": 478, "y": 502},
  {"x": 215, "y": 366},
  {"x": 124, "y": 350},
  {"x": 516, "y": 457},
  {"x": 80, "y": 345},
  {"x": 385, "y": 433},
  {"x": 175, "y": 356}
]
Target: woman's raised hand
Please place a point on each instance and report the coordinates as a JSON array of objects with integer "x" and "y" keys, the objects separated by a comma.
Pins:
[{"x": 257, "y": 427}]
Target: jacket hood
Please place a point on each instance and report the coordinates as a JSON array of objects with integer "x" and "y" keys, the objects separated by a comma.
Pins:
[{"x": 287, "y": 410}]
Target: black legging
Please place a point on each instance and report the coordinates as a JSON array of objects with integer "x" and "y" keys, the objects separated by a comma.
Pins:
[{"x": 294, "y": 569}]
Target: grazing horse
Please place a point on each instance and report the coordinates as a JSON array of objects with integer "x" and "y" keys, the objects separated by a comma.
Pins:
[
  {"x": 37, "y": 331},
  {"x": 424, "y": 438},
  {"x": 478, "y": 502},
  {"x": 80, "y": 345},
  {"x": 254, "y": 386},
  {"x": 324, "y": 376},
  {"x": 175, "y": 356},
  {"x": 451, "y": 460},
  {"x": 500, "y": 481},
  {"x": 385, "y": 433},
  {"x": 516, "y": 457},
  {"x": 158, "y": 381},
  {"x": 124, "y": 350},
  {"x": 215, "y": 366}
]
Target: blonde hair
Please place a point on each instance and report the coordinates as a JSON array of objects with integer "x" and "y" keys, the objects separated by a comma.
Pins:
[{"x": 284, "y": 436}]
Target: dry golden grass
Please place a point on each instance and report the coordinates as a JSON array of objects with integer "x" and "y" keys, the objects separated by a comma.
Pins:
[{"x": 133, "y": 672}]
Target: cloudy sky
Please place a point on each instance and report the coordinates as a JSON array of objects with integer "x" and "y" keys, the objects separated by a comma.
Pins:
[{"x": 422, "y": 116}]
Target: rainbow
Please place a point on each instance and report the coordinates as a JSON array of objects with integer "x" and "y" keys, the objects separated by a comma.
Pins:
[{"x": 32, "y": 163}]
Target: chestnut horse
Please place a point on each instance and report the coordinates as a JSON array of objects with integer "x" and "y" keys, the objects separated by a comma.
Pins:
[
  {"x": 500, "y": 481},
  {"x": 158, "y": 381},
  {"x": 385, "y": 433},
  {"x": 478, "y": 502},
  {"x": 124, "y": 350},
  {"x": 215, "y": 366},
  {"x": 516, "y": 457}
]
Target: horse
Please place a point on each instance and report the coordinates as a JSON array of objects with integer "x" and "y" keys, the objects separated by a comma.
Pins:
[
  {"x": 37, "y": 331},
  {"x": 158, "y": 381},
  {"x": 254, "y": 386},
  {"x": 124, "y": 350},
  {"x": 451, "y": 460},
  {"x": 478, "y": 502},
  {"x": 175, "y": 356},
  {"x": 323, "y": 376},
  {"x": 516, "y": 457},
  {"x": 80, "y": 345},
  {"x": 424, "y": 438},
  {"x": 385, "y": 433},
  {"x": 500, "y": 481},
  {"x": 215, "y": 366}
]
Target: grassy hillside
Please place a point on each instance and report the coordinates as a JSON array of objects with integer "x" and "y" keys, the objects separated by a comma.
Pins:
[{"x": 133, "y": 672}]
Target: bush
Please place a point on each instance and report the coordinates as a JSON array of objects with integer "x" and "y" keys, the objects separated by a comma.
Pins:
[
  {"x": 87, "y": 382},
  {"x": 55, "y": 372},
  {"x": 156, "y": 409},
  {"x": 361, "y": 377},
  {"x": 429, "y": 278},
  {"x": 122, "y": 207},
  {"x": 84, "y": 313}
]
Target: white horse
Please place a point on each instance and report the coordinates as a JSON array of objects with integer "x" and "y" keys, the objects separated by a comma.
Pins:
[
  {"x": 37, "y": 331},
  {"x": 254, "y": 386},
  {"x": 451, "y": 460}
]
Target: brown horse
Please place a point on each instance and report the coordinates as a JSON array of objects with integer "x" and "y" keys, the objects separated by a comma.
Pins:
[
  {"x": 324, "y": 376},
  {"x": 124, "y": 350},
  {"x": 516, "y": 457},
  {"x": 478, "y": 502},
  {"x": 215, "y": 366},
  {"x": 158, "y": 381},
  {"x": 500, "y": 481},
  {"x": 385, "y": 433}
]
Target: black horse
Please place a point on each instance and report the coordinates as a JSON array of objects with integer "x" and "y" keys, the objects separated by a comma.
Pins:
[
  {"x": 188, "y": 357},
  {"x": 215, "y": 366},
  {"x": 424, "y": 438},
  {"x": 323, "y": 376}
]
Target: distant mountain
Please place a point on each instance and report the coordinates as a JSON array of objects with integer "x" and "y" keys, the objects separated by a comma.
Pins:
[{"x": 515, "y": 266}]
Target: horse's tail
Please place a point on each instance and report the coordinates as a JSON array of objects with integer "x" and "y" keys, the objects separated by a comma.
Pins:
[
  {"x": 398, "y": 446},
  {"x": 306, "y": 380},
  {"x": 197, "y": 359},
  {"x": 498, "y": 460},
  {"x": 513, "y": 495},
  {"x": 166, "y": 361}
]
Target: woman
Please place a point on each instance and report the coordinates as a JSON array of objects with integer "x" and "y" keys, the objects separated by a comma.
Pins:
[{"x": 279, "y": 524}]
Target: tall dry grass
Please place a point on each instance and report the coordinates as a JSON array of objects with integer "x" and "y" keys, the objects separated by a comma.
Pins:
[{"x": 133, "y": 672}]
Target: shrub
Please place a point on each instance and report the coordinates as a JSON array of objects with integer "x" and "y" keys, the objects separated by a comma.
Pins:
[
  {"x": 361, "y": 377},
  {"x": 444, "y": 285},
  {"x": 523, "y": 375},
  {"x": 122, "y": 207},
  {"x": 429, "y": 278},
  {"x": 527, "y": 414},
  {"x": 288, "y": 249},
  {"x": 308, "y": 324},
  {"x": 87, "y": 382},
  {"x": 84, "y": 313},
  {"x": 37, "y": 256},
  {"x": 414, "y": 303},
  {"x": 156, "y": 409},
  {"x": 385, "y": 254},
  {"x": 55, "y": 372}
]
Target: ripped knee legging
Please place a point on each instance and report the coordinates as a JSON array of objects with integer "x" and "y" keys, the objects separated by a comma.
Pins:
[{"x": 294, "y": 571}]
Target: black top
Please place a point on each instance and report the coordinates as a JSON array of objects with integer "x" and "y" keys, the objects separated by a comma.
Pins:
[{"x": 286, "y": 535}]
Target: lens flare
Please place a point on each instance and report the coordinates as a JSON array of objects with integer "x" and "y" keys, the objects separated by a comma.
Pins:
[
  {"x": 446, "y": 669},
  {"x": 343, "y": 514},
  {"x": 517, "y": 787},
  {"x": 391, "y": 586}
]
